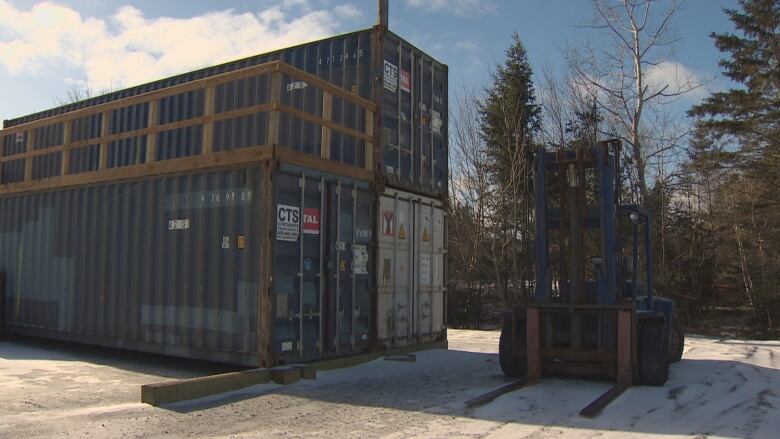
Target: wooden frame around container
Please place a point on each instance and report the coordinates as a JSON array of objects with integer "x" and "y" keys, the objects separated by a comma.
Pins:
[{"x": 207, "y": 158}]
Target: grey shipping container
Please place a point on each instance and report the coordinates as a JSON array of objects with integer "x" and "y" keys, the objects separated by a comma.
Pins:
[
  {"x": 172, "y": 264},
  {"x": 410, "y": 268},
  {"x": 412, "y": 95},
  {"x": 231, "y": 213}
]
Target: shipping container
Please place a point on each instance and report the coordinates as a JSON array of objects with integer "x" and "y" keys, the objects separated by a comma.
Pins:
[
  {"x": 413, "y": 98},
  {"x": 233, "y": 213},
  {"x": 410, "y": 269}
]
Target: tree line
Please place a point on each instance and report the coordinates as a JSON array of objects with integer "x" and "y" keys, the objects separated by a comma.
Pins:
[{"x": 709, "y": 177}]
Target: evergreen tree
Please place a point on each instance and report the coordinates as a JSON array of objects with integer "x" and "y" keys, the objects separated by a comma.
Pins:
[
  {"x": 509, "y": 120},
  {"x": 749, "y": 115},
  {"x": 510, "y": 116}
]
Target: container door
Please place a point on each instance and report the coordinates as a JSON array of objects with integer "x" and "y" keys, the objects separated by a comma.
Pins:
[
  {"x": 299, "y": 262},
  {"x": 423, "y": 213},
  {"x": 439, "y": 239},
  {"x": 349, "y": 220},
  {"x": 395, "y": 270}
]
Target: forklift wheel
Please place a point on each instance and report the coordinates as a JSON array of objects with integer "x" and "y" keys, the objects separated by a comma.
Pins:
[
  {"x": 677, "y": 343},
  {"x": 653, "y": 353},
  {"x": 511, "y": 366}
]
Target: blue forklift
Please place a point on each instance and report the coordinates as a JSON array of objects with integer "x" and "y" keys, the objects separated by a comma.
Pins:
[{"x": 594, "y": 312}]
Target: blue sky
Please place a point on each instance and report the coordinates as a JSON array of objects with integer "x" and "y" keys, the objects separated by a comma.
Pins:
[{"x": 46, "y": 47}]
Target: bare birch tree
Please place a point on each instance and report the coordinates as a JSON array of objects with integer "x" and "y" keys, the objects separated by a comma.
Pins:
[{"x": 637, "y": 37}]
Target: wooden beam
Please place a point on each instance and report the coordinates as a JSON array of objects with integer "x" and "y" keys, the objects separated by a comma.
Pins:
[
  {"x": 320, "y": 121},
  {"x": 103, "y": 163},
  {"x": 265, "y": 300},
  {"x": 207, "y": 158},
  {"x": 151, "y": 136},
  {"x": 327, "y": 114},
  {"x": 370, "y": 144},
  {"x": 208, "y": 127},
  {"x": 145, "y": 131},
  {"x": 289, "y": 155},
  {"x": 579, "y": 355},
  {"x": 273, "y": 117},
  {"x": 29, "y": 161},
  {"x": 68, "y": 127},
  {"x": 184, "y": 164},
  {"x": 326, "y": 86}
]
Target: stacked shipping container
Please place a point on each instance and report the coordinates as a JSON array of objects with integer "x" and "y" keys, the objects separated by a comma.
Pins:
[{"x": 248, "y": 213}]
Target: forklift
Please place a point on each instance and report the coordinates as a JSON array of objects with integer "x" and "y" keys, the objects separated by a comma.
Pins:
[{"x": 593, "y": 313}]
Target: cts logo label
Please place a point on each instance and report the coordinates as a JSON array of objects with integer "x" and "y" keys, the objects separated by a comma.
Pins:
[
  {"x": 288, "y": 222},
  {"x": 391, "y": 76}
]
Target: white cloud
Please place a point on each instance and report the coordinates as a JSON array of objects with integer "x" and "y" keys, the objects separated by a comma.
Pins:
[
  {"x": 128, "y": 48},
  {"x": 467, "y": 45},
  {"x": 459, "y": 7},
  {"x": 674, "y": 77}
]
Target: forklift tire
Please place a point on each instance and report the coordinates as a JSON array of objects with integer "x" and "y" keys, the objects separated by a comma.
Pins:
[
  {"x": 514, "y": 367},
  {"x": 653, "y": 353},
  {"x": 677, "y": 343}
]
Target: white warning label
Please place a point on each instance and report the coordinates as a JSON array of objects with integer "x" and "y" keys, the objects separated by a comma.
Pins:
[
  {"x": 425, "y": 268},
  {"x": 288, "y": 222},
  {"x": 359, "y": 259}
]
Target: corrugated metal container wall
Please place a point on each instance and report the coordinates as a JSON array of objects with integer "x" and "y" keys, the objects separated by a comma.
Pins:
[
  {"x": 322, "y": 265},
  {"x": 410, "y": 268},
  {"x": 414, "y": 118},
  {"x": 164, "y": 265},
  {"x": 414, "y": 113}
]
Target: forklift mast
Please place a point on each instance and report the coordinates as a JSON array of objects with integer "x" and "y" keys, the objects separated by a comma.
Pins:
[{"x": 593, "y": 311}]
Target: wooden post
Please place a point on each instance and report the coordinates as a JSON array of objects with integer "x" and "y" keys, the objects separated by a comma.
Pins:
[
  {"x": 103, "y": 163},
  {"x": 28, "y": 162},
  {"x": 370, "y": 145},
  {"x": 327, "y": 114},
  {"x": 151, "y": 138},
  {"x": 533, "y": 353},
  {"x": 273, "y": 115},
  {"x": 624, "y": 343},
  {"x": 2, "y": 164},
  {"x": 65, "y": 151},
  {"x": 264, "y": 301},
  {"x": 208, "y": 127}
]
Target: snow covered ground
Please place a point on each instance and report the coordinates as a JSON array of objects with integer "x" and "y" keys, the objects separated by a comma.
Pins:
[{"x": 721, "y": 388}]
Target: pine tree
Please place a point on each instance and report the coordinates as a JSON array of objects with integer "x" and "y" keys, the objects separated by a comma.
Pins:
[
  {"x": 749, "y": 115},
  {"x": 510, "y": 116},
  {"x": 509, "y": 120}
]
